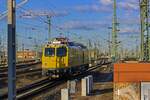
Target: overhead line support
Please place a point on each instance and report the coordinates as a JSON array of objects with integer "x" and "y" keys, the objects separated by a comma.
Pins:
[
  {"x": 144, "y": 18},
  {"x": 114, "y": 50},
  {"x": 11, "y": 50}
]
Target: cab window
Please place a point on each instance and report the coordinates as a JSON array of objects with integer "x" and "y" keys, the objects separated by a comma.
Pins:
[
  {"x": 49, "y": 51},
  {"x": 62, "y": 51}
]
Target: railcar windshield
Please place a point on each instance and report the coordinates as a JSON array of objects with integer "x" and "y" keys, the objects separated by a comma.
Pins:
[
  {"x": 49, "y": 52},
  {"x": 61, "y": 51}
]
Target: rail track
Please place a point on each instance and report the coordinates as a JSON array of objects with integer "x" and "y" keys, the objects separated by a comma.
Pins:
[
  {"x": 4, "y": 76},
  {"x": 18, "y": 62},
  {"x": 21, "y": 69},
  {"x": 46, "y": 84},
  {"x": 19, "y": 66}
]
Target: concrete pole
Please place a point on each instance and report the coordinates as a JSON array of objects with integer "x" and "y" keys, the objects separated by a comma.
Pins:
[
  {"x": 11, "y": 50},
  {"x": 84, "y": 87},
  {"x": 65, "y": 94},
  {"x": 148, "y": 94},
  {"x": 91, "y": 82},
  {"x": 88, "y": 85}
]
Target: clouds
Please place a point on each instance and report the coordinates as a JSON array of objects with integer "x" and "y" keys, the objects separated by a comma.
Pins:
[
  {"x": 129, "y": 30},
  {"x": 106, "y": 2},
  {"x": 126, "y": 26},
  {"x": 129, "y": 21},
  {"x": 83, "y": 25},
  {"x": 92, "y": 8},
  {"x": 123, "y": 4},
  {"x": 106, "y": 6},
  {"x": 129, "y": 5}
]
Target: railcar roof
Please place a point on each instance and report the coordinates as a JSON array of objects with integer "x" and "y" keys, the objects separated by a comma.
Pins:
[{"x": 56, "y": 42}]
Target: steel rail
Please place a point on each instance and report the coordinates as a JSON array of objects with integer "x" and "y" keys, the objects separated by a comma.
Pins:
[
  {"x": 30, "y": 86},
  {"x": 23, "y": 72},
  {"x": 55, "y": 83},
  {"x": 19, "y": 66},
  {"x": 43, "y": 85}
]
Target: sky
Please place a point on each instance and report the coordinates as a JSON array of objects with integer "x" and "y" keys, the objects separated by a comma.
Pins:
[{"x": 80, "y": 20}]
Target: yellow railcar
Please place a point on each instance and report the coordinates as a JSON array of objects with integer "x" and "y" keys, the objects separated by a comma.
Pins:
[{"x": 64, "y": 58}]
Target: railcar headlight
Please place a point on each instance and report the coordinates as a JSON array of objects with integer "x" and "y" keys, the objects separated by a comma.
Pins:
[{"x": 45, "y": 64}]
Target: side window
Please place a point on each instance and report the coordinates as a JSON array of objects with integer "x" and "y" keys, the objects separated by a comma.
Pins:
[{"x": 49, "y": 51}]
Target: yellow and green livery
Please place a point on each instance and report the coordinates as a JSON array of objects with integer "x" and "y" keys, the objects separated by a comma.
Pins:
[{"x": 62, "y": 57}]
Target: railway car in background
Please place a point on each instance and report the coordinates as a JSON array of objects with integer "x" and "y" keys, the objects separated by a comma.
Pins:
[{"x": 61, "y": 57}]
